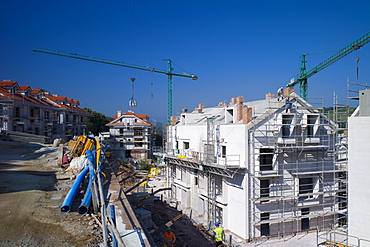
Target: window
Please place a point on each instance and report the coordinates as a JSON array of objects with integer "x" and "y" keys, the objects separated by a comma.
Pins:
[
  {"x": 138, "y": 144},
  {"x": 305, "y": 224},
  {"x": 305, "y": 185},
  {"x": 265, "y": 216},
  {"x": 265, "y": 229},
  {"x": 264, "y": 188},
  {"x": 223, "y": 151},
  {"x": 311, "y": 121},
  {"x": 287, "y": 121},
  {"x": 186, "y": 145},
  {"x": 305, "y": 211},
  {"x": 218, "y": 185},
  {"x": 67, "y": 118},
  {"x": 266, "y": 156},
  {"x": 17, "y": 112},
  {"x": 219, "y": 215},
  {"x": 121, "y": 131},
  {"x": 138, "y": 132}
]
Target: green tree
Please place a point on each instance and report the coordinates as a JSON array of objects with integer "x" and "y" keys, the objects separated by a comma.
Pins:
[{"x": 96, "y": 122}]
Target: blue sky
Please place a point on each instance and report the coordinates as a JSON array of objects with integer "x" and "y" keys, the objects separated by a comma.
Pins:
[{"x": 236, "y": 48}]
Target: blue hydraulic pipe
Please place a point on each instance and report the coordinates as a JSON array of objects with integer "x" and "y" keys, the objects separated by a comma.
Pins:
[
  {"x": 113, "y": 216},
  {"x": 67, "y": 204},
  {"x": 85, "y": 204}
]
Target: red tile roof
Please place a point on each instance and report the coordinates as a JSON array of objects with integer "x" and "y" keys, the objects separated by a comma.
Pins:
[
  {"x": 36, "y": 91},
  {"x": 24, "y": 88},
  {"x": 142, "y": 117},
  {"x": 49, "y": 100},
  {"x": 7, "y": 83}
]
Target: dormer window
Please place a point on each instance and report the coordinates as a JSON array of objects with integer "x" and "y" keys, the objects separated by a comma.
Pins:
[
  {"x": 311, "y": 124},
  {"x": 286, "y": 126}
]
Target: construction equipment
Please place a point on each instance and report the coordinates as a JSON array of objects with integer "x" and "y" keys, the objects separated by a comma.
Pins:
[
  {"x": 304, "y": 75},
  {"x": 132, "y": 101},
  {"x": 169, "y": 72}
]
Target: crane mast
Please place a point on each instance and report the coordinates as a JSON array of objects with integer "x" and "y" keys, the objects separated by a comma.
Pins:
[
  {"x": 169, "y": 72},
  {"x": 304, "y": 75}
]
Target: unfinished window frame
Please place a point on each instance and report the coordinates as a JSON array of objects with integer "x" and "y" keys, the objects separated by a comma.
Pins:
[
  {"x": 264, "y": 189},
  {"x": 287, "y": 125},
  {"x": 218, "y": 185},
  {"x": 312, "y": 125},
  {"x": 266, "y": 159}
]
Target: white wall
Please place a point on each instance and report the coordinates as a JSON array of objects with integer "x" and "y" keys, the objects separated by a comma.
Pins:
[
  {"x": 359, "y": 177},
  {"x": 234, "y": 137},
  {"x": 236, "y": 217}
]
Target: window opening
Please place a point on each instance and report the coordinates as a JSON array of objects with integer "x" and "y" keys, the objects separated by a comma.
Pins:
[
  {"x": 286, "y": 124},
  {"x": 266, "y": 156},
  {"x": 264, "y": 188}
]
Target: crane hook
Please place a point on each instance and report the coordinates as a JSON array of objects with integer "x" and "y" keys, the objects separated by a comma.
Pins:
[{"x": 132, "y": 102}]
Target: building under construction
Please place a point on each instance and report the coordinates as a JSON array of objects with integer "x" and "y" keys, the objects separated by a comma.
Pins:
[{"x": 262, "y": 168}]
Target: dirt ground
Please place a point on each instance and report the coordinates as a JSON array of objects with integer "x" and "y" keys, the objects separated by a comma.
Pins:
[
  {"x": 31, "y": 197},
  {"x": 187, "y": 235},
  {"x": 30, "y": 200}
]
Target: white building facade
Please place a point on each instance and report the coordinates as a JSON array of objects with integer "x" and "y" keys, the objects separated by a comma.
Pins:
[
  {"x": 130, "y": 135},
  {"x": 262, "y": 169},
  {"x": 37, "y": 112},
  {"x": 359, "y": 173}
]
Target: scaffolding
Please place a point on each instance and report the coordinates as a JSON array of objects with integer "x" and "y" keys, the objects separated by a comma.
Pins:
[
  {"x": 210, "y": 158},
  {"x": 292, "y": 172}
]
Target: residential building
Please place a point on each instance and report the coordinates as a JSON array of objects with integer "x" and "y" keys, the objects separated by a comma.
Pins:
[
  {"x": 130, "y": 135},
  {"x": 37, "y": 112},
  {"x": 359, "y": 173},
  {"x": 262, "y": 168}
]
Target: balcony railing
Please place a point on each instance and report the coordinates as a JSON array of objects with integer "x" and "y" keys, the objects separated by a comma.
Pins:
[{"x": 232, "y": 160}]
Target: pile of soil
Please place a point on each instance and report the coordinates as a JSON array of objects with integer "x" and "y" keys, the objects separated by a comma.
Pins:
[{"x": 30, "y": 200}]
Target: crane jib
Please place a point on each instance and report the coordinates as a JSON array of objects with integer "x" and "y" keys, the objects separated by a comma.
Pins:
[
  {"x": 342, "y": 53},
  {"x": 167, "y": 72}
]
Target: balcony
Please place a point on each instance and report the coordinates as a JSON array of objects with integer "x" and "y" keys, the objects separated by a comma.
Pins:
[{"x": 227, "y": 161}]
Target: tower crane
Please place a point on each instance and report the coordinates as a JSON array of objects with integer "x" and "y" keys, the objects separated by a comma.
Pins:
[
  {"x": 169, "y": 72},
  {"x": 304, "y": 75}
]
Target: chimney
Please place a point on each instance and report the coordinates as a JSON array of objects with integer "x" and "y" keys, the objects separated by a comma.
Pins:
[
  {"x": 247, "y": 114},
  {"x": 239, "y": 107},
  {"x": 237, "y": 100},
  {"x": 201, "y": 106},
  {"x": 222, "y": 104},
  {"x": 119, "y": 113},
  {"x": 174, "y": 119},
  {"x": 269, "y": 96}
]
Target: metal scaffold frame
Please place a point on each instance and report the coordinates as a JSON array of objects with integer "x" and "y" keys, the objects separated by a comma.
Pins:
[{"x": 293, "y": 186}]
